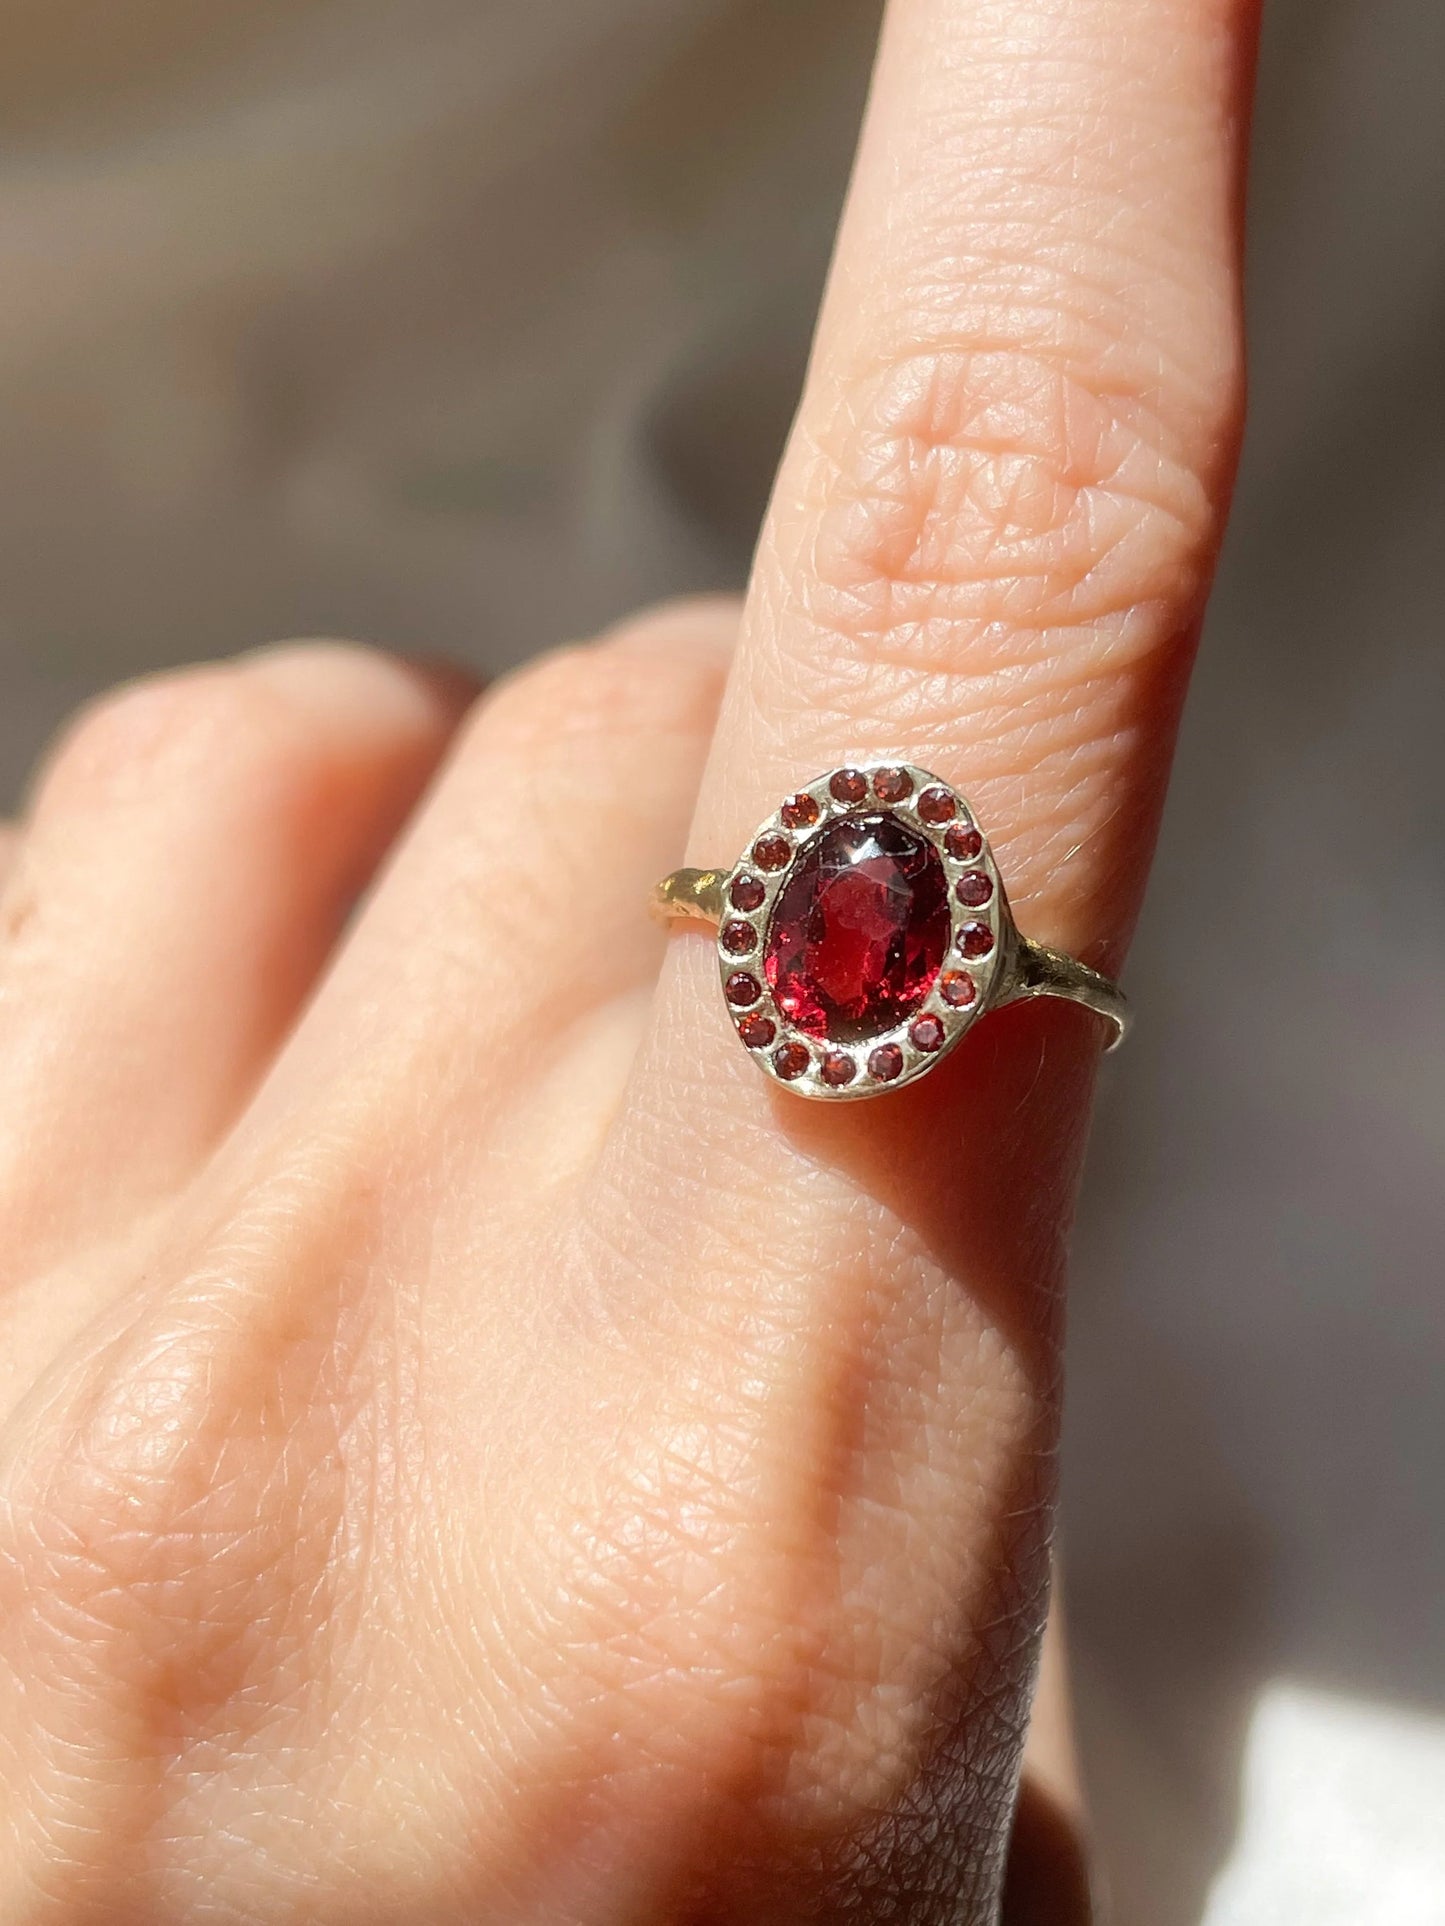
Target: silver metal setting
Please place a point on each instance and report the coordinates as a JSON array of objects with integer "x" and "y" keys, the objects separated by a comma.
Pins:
[{"x": 1013, "y": 968}]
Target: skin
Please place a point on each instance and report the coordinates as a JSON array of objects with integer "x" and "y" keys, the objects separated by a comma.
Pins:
[{"x": 470, "y": 1449}]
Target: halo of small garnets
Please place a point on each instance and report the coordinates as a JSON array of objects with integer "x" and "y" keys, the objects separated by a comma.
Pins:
[
  {"x": 799, "y": 812},
  {"x": 926, "y": 1032},
  {"x": 957, "y": 988},
  {"x": 892, "y": 785},
  {"x": 953, "y": 994},
  {"x": 885, "y": 1062},
  {"x": 790, "y": 1060}
]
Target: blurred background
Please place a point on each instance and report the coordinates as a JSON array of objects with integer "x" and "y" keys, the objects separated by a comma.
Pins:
[{"x": 465, "y": 325}]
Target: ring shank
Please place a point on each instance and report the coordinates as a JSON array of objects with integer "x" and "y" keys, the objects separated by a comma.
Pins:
[
  {"x": 696, "y": 896},
  {"x": 690, "y": 896},
  {"x": 1040, "y": 971}
]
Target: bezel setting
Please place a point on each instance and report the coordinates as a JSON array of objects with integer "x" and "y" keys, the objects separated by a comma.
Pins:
[{"x": 920, "y": 803}]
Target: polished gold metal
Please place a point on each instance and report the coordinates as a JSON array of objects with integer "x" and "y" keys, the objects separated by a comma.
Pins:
[
  {"x": 690, "y": 896},
  {"x": 1012, "y": 970}
]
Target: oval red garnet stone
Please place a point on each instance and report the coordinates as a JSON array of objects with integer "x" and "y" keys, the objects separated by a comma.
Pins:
[{"x": 859, "y": 930}]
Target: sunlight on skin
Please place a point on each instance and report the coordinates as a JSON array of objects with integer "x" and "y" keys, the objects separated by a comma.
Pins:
[{"x": 471, "y": 1447}]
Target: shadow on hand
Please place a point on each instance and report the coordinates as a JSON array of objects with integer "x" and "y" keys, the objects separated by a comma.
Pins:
[{"x": 1047, "y": 1882}]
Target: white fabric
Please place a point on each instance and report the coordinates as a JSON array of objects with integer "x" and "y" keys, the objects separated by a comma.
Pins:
[{"x": 1326, "y": 1780}]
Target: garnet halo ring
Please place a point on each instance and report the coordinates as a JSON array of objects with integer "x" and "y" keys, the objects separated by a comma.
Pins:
[{"x": 865, "y": 929}]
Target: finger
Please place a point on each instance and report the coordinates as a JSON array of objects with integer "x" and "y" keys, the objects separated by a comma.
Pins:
[
  {"x": 194, "y": 845},
  {"x": 993, "y": 528},
  {"x": 571, "y": 785},
  {"x": 986, "y": 553}
]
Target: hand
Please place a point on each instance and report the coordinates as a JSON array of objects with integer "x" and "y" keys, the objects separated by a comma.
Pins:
[{"x": 472, "y": 1450}]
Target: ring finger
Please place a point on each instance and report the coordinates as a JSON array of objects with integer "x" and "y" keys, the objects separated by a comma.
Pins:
[{"x": 986, "y": 554}]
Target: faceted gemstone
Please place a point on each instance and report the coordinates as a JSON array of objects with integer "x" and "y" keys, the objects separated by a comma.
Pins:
[
  {"x": 799, "y": 812},
  {"x": 892, "y": 785},
  {"x": 790, "y": 1060},
  {"x": 756, "y": 1030},
  {"x": 848, "y": 786},
  {"x": 963, "y": 842},
  {"x": 937, "y": 806},
  {"x": 957, "y": 988},
  {"x": 975, "y": 939},
  {"x": 742, "y": 989},
  {"x": 747, "y": 893},
  {"x": 926, "y": 1033},
  {"x": 858, "y": 930},
  {"x": 837, "y": 1068},
  {"x": 885, "y": 1062},
  {"x": 973, "y": 888},
  {"x": 771, "y": 852},
  {"x": 738, "y": 939}
]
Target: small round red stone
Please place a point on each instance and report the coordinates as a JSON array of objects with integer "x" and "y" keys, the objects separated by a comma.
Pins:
[
  {"x": 963, "y": 842},
  {"x": 799, "y": 812},
  {"x": 975, "y": 940},
  {"x": 837, "y": 1068},
  {"x": 771, "y": 852},
  {"x": 973, "y": 888},
  {"x": 892, "y": 785},
  {"x": 937, "y": 806},
  {"x": 747, "y": 892},
  {"x": 957, "y": 989},
  {"x": 926, "y": 1032},
  {"x": 756, "y": 1030},
  {"x": 885, "y": 1063},
  {"x": 790, "y": 1060},
  {"x": 848, "y": 786},
  {"x": 741, "y": 989},
  {"x": 739, "y": 939}
]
